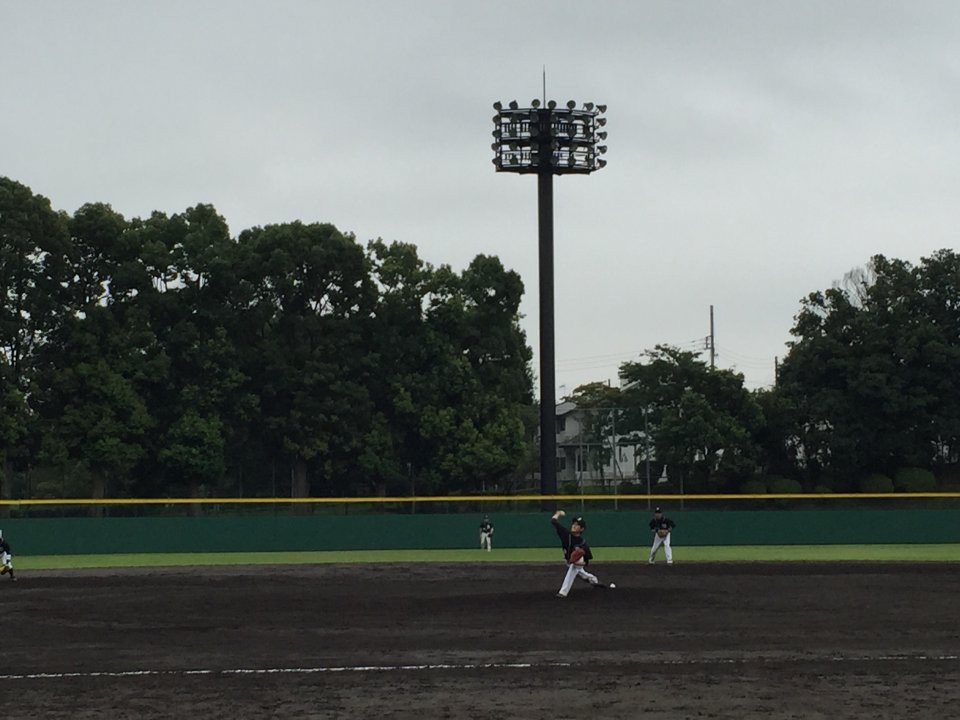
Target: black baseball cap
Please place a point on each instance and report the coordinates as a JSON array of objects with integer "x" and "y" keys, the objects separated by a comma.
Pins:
[
  {"x": 658, "y": 510},
  {"x": 579, "y": 521}
]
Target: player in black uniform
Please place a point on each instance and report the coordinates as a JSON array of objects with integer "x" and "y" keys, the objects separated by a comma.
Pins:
[
  {"x": 6, "y": 558},
  {"x": 576, "y": 552},
  {"x": 661, "y": 526},
  {"x": 486, "y": 533}
]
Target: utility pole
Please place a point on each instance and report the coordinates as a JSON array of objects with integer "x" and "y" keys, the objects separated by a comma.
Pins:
[{"x": 713, "y": 343}]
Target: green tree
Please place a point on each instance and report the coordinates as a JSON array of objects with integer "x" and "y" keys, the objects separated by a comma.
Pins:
[
  {"x": 703, "y": 422},
  {"x": 93, "y": 364},
  {"x": 33, "y": 242},
  {"x": 872, "y": 371},
  {"x": 777, "y": 436},
  {"x": 601, "y": 417},
  {"x": 194, "y": 449},
  {"x": 453, "y": 379},
  {"x": 499, "y": 361},
  {"x": 313, "y": 300},
  {"x": 204, "y": 400},
  {"x": 161, "y": 356}
]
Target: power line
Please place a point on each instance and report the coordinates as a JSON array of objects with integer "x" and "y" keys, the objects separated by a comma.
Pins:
[{"x": 626, "y": 355}]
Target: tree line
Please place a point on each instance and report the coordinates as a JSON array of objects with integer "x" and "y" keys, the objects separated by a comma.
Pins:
[
  {"x": 867, "y": 398},
  {"x": 164, "y": 357}
]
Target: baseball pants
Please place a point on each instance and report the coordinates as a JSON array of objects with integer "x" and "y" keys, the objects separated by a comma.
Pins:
[
  {"x": 572, "y": 572},
  {"x": 486, "y": 541},
  {"x": 657, "y": 542}
]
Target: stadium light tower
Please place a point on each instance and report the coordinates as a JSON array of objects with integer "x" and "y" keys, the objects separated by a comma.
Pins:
[{"x": 548, "y": 141}]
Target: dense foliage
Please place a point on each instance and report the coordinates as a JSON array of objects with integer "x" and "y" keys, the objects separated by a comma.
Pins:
[
  {"x": 872, "y": 379},
  {"x": 868, "y": 392},
  {"x": 161, "y": 356}
]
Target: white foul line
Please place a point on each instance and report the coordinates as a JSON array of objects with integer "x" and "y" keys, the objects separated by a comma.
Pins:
[
  {"x": 464, "y": 666},
  {"x": 272, "y": 671}
]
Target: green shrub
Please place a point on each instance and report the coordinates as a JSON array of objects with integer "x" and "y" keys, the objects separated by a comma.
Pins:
[
  {"x": 876, "y": 483},
  {"x": 838, "y": 483},
  {"x": 913, "y": 479},
  {"x": 753, "y": 487},
  {"x": 949, "y": 486},
  {"x": 781, "y": 485},
  {"x": 948, "y": 478},
  {"x": 569, "y": 487}
]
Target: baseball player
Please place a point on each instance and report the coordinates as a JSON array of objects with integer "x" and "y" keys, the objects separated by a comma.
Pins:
[
  {"x": 661, "y": 527},
  {"x": 486, "y": 534},
  {"x": 6, "y": 558},
  {"x": 575, "y": 551}
]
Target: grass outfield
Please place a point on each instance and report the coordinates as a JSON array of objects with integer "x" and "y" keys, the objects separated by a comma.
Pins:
[{"x": 757, "y": 553}]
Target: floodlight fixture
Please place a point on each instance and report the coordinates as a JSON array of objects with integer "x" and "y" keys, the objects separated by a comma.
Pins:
[
  {"x": 535, "y": 103},
  {"x": 542, "y": 139},
  {"x": 498, "y": 106}
]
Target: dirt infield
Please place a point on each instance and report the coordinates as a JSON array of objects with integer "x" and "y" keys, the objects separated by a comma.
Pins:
[{"x": 488, "y": 640}]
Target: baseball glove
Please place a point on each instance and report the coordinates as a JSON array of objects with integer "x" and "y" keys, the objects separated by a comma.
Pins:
[
  {"x": 663, "y": 532},
  {"x": 576, "y": 556}
]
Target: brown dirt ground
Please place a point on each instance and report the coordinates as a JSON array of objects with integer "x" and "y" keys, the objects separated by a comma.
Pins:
[{"x": 718, "y": 640}]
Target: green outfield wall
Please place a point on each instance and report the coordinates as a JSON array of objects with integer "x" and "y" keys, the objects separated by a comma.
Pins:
[{"x": 286, "y": 532}]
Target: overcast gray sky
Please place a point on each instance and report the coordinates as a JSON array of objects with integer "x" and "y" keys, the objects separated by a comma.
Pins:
[{"x": 758, "y": 149}]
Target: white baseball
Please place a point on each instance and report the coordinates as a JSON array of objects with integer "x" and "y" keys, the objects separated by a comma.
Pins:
[{"x": 612, "y": 585}]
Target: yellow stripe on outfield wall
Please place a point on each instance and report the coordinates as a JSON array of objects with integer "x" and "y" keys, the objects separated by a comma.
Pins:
[{"x": 472, "y": 499}]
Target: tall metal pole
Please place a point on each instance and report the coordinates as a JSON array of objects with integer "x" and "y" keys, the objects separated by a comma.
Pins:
[
  {"x": 548, "y": 141},
  {"x": 548, "y": 400}
]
